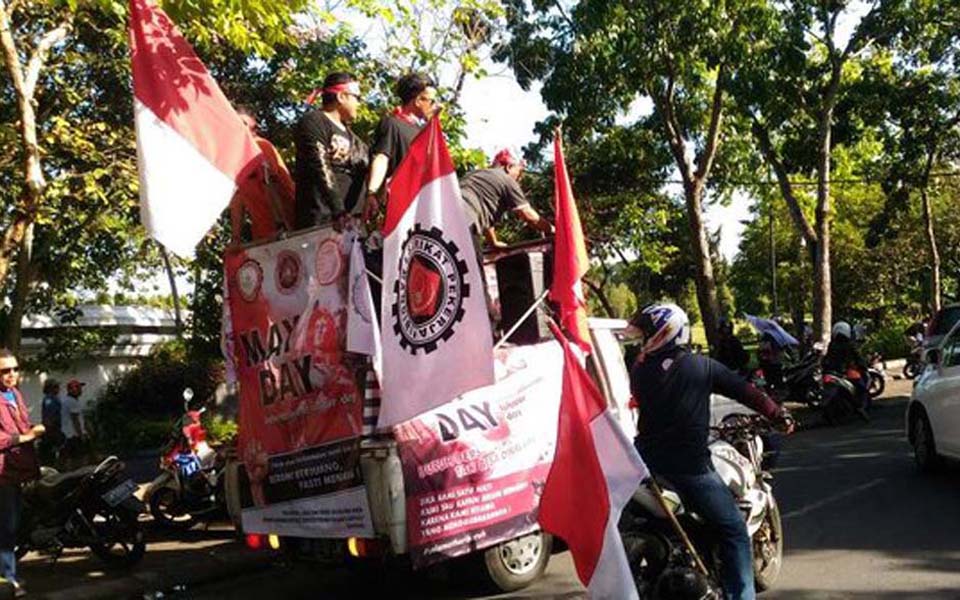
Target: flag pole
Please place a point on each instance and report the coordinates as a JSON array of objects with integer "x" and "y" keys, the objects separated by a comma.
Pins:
[{"x": 523, "y": 318}]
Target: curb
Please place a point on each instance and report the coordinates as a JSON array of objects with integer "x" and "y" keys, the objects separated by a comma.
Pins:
[{"x": 216, "y": 565}]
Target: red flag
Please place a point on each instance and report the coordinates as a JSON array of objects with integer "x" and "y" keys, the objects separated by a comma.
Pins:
[
  {"x": 570, "y": 261},
  {"x": 192, "y": 149},
  {"x": 594, "y": 473}
]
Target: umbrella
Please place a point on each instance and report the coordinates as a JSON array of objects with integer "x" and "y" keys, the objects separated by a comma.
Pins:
[{"x": 778, "y": 333}]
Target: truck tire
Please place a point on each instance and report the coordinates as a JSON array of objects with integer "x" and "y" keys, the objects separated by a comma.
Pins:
[{"x": 515, "y": 564}]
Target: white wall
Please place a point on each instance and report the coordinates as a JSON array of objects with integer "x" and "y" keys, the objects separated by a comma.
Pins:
[{"x": 95, "y": 371}]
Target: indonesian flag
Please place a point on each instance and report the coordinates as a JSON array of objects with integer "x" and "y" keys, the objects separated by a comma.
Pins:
[
  {"x": 570, "y": 261},
  {"x": 192, "y": 148},
  {"x": 595, "y": 471},
  {"x": 437, "y": 341}
]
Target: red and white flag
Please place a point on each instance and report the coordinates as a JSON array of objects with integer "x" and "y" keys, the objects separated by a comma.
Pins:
[
  {"x": 570, "y": 262},
  {"x": 192, "y": 148},
  {"x": 595, "y": 471},
  {"x": 437, "y": 340}
]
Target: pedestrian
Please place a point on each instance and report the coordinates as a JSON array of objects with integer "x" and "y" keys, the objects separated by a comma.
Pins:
[
  {"x": 729, "y": 350},
  {"x": 18, "y": 461},
  {"x": 51, "y": 417},
  {"x": 395, "y": 133},
  {"x": 264, "y": 202},
  {"x": 489, "y": 194},
  {"x": 332, "y": 161},
  {"x": 71, "y": 416}
]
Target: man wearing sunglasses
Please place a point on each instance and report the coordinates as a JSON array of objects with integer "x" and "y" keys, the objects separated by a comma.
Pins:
[
  {"x": 18, "y": 462},
  {"x": 395, "y": 133},
  {"x": 331, "y": 159}
]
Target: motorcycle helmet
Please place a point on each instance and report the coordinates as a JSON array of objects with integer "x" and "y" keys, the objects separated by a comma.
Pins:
[
  {"x": 662, "y": 326},
  {"x": 841, "y": 329}
]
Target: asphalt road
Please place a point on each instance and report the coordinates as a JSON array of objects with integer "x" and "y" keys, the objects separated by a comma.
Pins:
[{"x": 860, "y": 523}]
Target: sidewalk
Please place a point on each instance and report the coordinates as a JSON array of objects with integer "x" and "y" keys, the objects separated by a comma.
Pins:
[{"x": 181, "y": 561}]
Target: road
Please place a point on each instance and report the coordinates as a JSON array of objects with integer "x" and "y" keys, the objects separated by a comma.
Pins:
[{"x": 859, "y": 521}]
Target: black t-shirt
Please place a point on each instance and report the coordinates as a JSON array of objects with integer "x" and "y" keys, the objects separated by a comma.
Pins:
[
  {"x": 673, "y": 391},
  {"x": 331, "y": 170},
  {"x": 488, "y": 194},
  {"x": 730, "y": 352},
  {"x": 392, "y": 139}
]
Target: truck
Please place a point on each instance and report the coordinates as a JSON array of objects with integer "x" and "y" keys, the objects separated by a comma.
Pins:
[{"x": 516, "y": 280}]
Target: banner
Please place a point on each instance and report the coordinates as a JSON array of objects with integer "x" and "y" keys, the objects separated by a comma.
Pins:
[
  {"x": 474, "y": 469},
  {"x": 300, "y": 394}
]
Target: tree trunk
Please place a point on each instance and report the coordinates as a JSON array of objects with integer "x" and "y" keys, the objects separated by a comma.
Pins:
[
  {"x": 703, "y": 266},
  {"x": 935, "y": 285},
  {"x": 597, "y": 289},
  {"x": 18, "y": 306}
]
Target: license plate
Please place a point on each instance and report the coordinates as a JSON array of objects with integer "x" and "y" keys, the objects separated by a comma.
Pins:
[{"x": 120, "y": 493}]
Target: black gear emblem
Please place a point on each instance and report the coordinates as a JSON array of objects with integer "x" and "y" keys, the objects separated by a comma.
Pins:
[{"x": 429, "y": 292}]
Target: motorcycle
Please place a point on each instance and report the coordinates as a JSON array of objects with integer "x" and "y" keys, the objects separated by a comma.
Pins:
[
  {"x": 801, "y": 382},
  {"x": 877, "y": 374},
  {"x": 673, "y": 552},
  {"x": 190, "y": 485},
  {"x": 841, "y": 399},
  {"x": 914, "y": 364},
  {"x": 92, "y": 507}
]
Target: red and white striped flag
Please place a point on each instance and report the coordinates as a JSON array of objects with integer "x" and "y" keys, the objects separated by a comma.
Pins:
[
  {"x": 437, "y": 340},
  {"x": 595, "y": 471},
  {"x": 570, "y": 262},
  {"x": 192, "y": 148}
]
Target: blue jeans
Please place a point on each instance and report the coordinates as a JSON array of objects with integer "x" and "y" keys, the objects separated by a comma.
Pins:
[
  {"x": 10, "y": 507},
  {"x": 707, "y": 496}
]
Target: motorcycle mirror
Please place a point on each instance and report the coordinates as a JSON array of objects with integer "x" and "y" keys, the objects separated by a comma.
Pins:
[
  {"x": 932, "y": 356},
  {"x": 188, "y": 394}
]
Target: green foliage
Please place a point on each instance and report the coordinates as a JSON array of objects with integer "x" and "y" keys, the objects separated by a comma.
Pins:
[
  {"x": 220, "y": 429},
  {"x": 889, "y": 340}
]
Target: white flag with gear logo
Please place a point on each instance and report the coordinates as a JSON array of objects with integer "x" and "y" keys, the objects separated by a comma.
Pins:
[{"x": 437, "y": 340}]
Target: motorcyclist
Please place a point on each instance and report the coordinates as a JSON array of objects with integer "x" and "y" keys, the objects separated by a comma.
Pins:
[
  {"x": 844, "y": 359},
  {"x": 729, "y": 350},
  {"x": 672, "y": 387}
]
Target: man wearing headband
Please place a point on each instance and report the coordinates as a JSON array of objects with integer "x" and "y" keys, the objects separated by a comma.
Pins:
[
  {"x": 331, "y": 159},
  {"x": 418, "y": 98},
  {"x": 266, "y": 198},
  {"x": 491, "y": 193}
]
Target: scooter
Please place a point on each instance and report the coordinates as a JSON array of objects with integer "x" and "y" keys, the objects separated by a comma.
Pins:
[
  {"x": 672, "y": 552},
  {"x": 877, "y": 374},
  {"x": 190, "y": 485},
  {"x": 841, "y": 398}
]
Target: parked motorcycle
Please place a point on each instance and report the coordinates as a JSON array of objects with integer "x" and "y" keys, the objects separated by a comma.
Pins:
[
  {"x": 841, "y": 399},
  {"x": 92, "y": 507},
  {"x": 663, "y": 564},
  {"x": 190, "y": 485}
]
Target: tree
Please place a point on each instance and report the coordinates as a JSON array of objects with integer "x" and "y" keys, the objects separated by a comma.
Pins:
[
  {"x": 790, "y": 90},
  {"x": 678, "y": 56}
]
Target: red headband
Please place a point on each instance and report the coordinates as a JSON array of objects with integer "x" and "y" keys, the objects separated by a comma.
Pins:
[{"x": 350, "y": 86}]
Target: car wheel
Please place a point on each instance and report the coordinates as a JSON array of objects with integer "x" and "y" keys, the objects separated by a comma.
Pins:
[
  {"x": 515, "y": 564},
  {"x": 924, "y": 448}
]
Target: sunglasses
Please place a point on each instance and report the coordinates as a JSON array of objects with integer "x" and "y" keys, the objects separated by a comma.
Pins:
[{"x": 9, "y": 370}]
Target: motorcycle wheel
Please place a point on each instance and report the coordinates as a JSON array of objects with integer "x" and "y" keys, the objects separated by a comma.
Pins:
[
  {"x": 768, "y": 549},
  {"x": 120, "y": 542},
  {"x": 911, "y": 369},
  {"x": 167, "y": 510},
  {"x": 877, "y": 385}
]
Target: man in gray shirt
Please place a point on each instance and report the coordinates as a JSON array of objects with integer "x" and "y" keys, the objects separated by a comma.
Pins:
[{"x": 490, "y": 193}]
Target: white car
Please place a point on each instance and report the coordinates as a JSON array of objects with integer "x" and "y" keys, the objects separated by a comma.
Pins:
[{"x": 933, "y": 414}]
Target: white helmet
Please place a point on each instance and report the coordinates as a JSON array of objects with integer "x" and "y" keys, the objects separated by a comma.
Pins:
[
  {"x": 841, "y": 329},
  {"x": 662, "y": 326}
]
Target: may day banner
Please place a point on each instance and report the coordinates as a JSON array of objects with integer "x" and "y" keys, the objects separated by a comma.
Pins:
[
  {"x": 474, "y": 468},
  {"x": 300, "y": 401}
]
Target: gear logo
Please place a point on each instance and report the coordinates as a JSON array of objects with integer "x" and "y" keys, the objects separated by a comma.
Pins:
[
  {"x": 429, "y": 293},
  {"x": 288, "y": 272},
  {"x": 248, "y": 279}
]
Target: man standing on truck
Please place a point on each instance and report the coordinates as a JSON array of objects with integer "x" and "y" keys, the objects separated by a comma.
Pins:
[
  {"x": 331, "y": 159},
  {"x": 266, "y": 197},
  {"x": 673, "y": 388},
  {"x": 395, "y": 133},
  {"x": 490, "y": 193}
]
